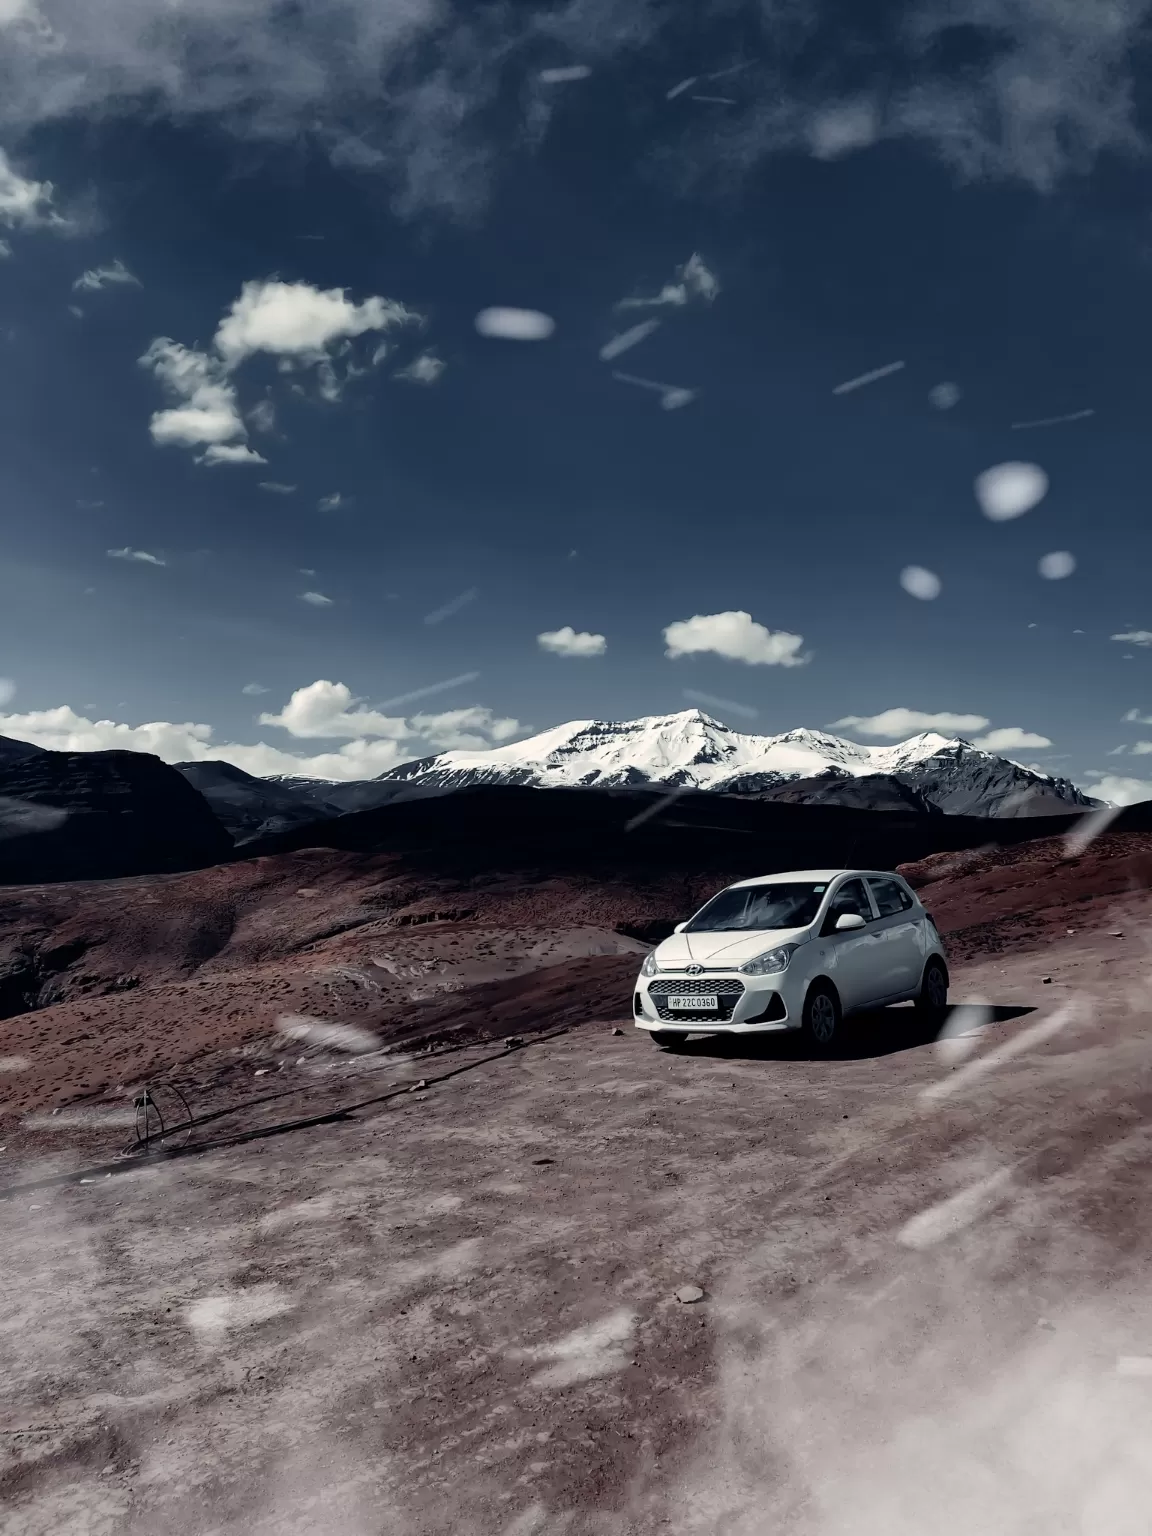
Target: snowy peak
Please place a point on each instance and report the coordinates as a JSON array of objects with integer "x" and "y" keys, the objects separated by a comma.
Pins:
[{"x": 691, "y": 750}]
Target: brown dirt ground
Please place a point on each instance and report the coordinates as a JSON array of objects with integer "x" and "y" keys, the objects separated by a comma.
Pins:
[{"x": 924, "y": 1263}]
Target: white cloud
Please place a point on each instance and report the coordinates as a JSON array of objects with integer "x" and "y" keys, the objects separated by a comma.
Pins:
[
  {"x": 116, "y": 275},
  {"x": 7, "y": 690},
  {"x": 515, "y": 324},
  {"x": 465, "y": 730},
  {"x": 1134, "y": 716},
  {"x": 1119, "y": 790},
  {"x": 898, "y": 724},
  {"x": 208, "y": 412},
  {"x": 330, "y": 503},
  {"x": 1142, "y": 749},
  {"x": 277, "y": 488},
  {"x": 918, "y": 582},
  {"x": 694, "y": 280},
  {"x": 566, "y": 642},
  {"x": 253, "y": 689},
  {"x": 316, "y": 599},
  {"x": 140, "y": 555},
  {"x": 300, "y": 321},
  {"x": 378, "y": 742},
  {"x": 424, "y": 369},
  {"x": 1007, "y": 491},
  {"x": 736, "y": 636},
  {"x": 230, "y": 453},
  {"x": 1010, "y": 738},
  {"x": 63, "y": 730},
  {"x": 25, "y": 204},
  {"x": 5, "y": 250},
  {"x": 1135, "y": 637},
  {"x": 328, "y": 709}
]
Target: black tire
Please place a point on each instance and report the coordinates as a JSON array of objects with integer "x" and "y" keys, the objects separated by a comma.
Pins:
[
  {"x": 822, "y": 1016},
  {"x": 670, "y": 1039},
  {"x": 932, "y": 999}
]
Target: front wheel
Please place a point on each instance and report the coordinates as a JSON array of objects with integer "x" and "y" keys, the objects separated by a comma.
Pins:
[
  {"x": 932, "y": 999},
  {"x": 670, "y": 1039},
  {"x": 821, "y": 1016}
]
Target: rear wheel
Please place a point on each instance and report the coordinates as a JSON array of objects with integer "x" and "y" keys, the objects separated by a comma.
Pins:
[
  {"x": 821, "y": 1016},
  {"x": 670, "y": 1039},
  {"x": 932, "y": 999}
]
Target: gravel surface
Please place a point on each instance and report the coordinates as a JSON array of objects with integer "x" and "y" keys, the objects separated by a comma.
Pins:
[{"x": 525, "y": 1274}]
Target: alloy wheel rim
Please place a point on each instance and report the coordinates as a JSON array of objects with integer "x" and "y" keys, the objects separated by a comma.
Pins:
[
  {"x": 823, "y": 1019},
  {"x": 936, "y": 991}
]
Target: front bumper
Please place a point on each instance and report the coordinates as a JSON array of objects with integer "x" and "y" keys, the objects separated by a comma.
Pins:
[{"x": 748, "y": 1004}]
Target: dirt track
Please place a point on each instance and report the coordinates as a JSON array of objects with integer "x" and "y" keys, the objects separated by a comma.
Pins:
[{"x": 926, "y": 1305}]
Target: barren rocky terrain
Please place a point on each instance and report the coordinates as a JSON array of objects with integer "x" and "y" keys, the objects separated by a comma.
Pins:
[{"x": 452, "y": 1285}]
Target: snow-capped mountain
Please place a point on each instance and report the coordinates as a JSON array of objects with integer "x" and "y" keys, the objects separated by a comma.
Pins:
[{"x": 690, "y": 750}]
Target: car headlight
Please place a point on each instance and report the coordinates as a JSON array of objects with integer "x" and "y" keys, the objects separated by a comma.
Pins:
[
  {"x": 650, "y": 968},
  {"x": 770, "y": 961}
]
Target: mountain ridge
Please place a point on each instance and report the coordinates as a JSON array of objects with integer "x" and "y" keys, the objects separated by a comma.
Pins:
[{"x": 692, "y": 750}]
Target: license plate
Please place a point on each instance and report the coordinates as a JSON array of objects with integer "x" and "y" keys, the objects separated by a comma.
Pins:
[{"x": 696, "y": 1003}]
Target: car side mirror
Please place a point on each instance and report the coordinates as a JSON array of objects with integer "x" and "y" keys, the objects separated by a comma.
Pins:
[
  {"x": 680, "y": 927},
  {"x": 847, "y": 921}
]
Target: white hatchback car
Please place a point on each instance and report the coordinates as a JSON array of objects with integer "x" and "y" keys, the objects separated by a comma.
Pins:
[{"x": 793, "y": 951}]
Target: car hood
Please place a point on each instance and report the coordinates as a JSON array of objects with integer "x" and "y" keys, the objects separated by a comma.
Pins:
[{"x": 724, "y": 948}]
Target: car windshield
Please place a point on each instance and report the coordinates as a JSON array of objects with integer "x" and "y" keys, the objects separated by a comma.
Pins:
[{"x": 756, "y": 907}]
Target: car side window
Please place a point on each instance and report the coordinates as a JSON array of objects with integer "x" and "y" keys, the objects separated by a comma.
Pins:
[
  {"x": 851, "y": 897},
  {"x": 891, "y": 898}
]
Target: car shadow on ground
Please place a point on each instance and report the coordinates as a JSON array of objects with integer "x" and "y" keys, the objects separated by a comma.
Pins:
[{"x": 878, "y": 1032}]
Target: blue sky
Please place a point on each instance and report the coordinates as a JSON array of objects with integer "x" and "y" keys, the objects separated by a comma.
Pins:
[{"x": 295, "y": 216}]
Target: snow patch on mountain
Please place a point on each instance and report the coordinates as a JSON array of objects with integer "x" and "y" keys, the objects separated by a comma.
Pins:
[{"x": 691, "y": 750}]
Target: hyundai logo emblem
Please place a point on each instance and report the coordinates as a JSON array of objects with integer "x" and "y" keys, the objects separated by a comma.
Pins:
[{"x": 695, "y": 970}]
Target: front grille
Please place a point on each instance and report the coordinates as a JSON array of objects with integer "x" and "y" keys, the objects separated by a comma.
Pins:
[{"x": 728, "y": 992}]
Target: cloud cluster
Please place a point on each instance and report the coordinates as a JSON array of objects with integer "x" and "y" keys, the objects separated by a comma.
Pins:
[
  {"x": 409, "y": 89},
  {"x": 898, "y": 724},
  {"x": 1119, "y": 790},
  {"x": 372, "y": 741},
  {"x": 297, "y": 323}
]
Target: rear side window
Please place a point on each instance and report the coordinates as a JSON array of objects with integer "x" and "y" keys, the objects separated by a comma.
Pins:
[
  {"x": 850, "y": 898},
  {"x": 890, "y": 896}
]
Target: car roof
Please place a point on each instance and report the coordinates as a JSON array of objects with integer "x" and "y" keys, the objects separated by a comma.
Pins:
[{"x": 815, "y": 875}]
